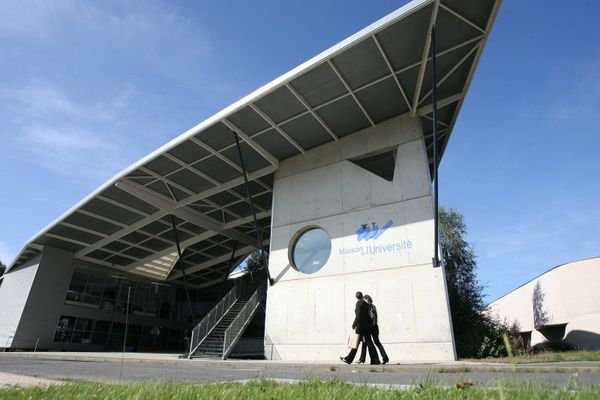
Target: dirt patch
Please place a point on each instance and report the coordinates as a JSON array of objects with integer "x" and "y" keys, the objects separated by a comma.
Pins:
[{"x": 7, "y": 379}]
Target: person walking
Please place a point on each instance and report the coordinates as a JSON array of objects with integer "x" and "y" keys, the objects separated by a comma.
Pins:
[
  {"x": 362, "y": 326},
  {"x": 374, "y": 333}
]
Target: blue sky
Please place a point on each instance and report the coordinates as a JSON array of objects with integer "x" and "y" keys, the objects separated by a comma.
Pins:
[{"x": 87, "y": 88}]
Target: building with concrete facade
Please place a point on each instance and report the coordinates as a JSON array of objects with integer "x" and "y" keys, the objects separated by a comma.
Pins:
[
  {"x": 561, "y": 304},
  {"x": 328, "y": 190},
  {"x": 328, "y": 169}
]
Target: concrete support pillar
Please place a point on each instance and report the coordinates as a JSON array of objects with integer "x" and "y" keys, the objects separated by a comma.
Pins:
[{"x": 46, "y": 298}]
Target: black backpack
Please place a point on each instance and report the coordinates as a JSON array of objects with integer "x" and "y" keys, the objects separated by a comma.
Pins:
[{"x": 372, "y": 315}]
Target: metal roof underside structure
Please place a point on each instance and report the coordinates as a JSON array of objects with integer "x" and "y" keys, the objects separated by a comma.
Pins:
[{"x": 381, "y": 72}]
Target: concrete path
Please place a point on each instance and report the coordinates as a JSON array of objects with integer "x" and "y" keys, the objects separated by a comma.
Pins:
[{"x": 132, "y": 367}]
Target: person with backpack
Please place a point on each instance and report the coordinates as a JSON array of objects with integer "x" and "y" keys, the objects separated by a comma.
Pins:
[
  {"x": 362, "y": 326},
  {"x": 374, "y": 333}
]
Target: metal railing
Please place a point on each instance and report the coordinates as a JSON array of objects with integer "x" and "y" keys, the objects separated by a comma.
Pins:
[
  {"x": 271, "y": 352},
  {"x": 236, "y": 328},
  {"x": 203, "y": 329}
]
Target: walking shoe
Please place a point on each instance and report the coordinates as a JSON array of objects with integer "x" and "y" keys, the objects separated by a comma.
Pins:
[
  {"x": 376, "y": 363},
  {"x": 385, "y": 361},
  {"x": 360, "y": 362},
  {"x": 345, "y": 360}
]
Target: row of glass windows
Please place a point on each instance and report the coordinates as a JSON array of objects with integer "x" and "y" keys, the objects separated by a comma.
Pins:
[
  {"x": 97, "y": 289},
  {"x": 72, "y": 329}
]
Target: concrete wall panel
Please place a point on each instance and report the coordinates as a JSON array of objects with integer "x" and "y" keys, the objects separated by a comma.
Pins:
[
  {"x": 309, "y": 315},
  {"x": 569, "y": 296},
  {"x": 46, "y": 299},
  {"x": 14, "y": 293}
]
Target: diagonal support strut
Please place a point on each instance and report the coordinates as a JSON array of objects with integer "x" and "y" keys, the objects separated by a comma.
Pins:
[
  {"x": 251, "y": 203},
  {"x": 182, "y": 265}
]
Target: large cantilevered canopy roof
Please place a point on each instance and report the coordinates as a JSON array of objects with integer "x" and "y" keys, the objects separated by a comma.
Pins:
[{"x": 380, "y": 72}]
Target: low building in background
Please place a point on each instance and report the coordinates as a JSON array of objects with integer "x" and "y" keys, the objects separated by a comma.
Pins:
[{"x": 562, "y": 304}]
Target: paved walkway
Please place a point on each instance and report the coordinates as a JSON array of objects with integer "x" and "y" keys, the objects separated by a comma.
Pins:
[{"x": 132, "y": 367}]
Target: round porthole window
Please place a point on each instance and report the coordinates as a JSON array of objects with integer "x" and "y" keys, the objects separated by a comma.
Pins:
[{"x": 310, "y": 250}]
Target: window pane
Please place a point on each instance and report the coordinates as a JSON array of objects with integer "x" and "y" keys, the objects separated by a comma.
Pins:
[
  {"x": 64, "y": 329},
  {"x": 77, "y": 286},
  {"x": 109, "y": 296},
  {"x": 311, "y": 251},
  {"x": 125, "y": 285}
]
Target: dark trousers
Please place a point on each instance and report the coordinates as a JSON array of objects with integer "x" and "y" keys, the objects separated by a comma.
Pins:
[
  {"x": 363, "y": 350},
  {"x": 366, "y": 341}
]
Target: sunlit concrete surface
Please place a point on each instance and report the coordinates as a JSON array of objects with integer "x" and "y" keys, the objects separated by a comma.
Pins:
[{"x": 561, "y": 304}]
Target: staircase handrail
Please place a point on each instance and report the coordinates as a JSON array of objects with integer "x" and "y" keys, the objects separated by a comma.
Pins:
[
  {"x": 236, "y": 328},
  {"x": 208, "y": 323}
]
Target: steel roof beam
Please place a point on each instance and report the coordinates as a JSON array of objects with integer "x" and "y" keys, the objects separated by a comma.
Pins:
[
  {"x": 154, "y": 236},
  {"x": 130, "y": 244},
  {"x": 208, "y": 178},
  {"x": 391, "y": 69},
  {"x": 203, "y": 221},
  {"x": 119, "y": 204},
  {"x": 425, "y": 58},
  {"x": 257, "y": 147},
  {"x": 101, "y": 218},
  {"x": 199, "y": 238},
  {"x": 425, "y": 110},
  {"x": 462, "y": 18},
  {"x": 369, "y": 84},
  {"x": 222, "y": 158},
  {"x": 160, "y": 213},
  {"x": 454, "y": 68},
  {"x": 439, "y": 122},
  {"x": 189, "y": 193},
  {"x": 349, "y": 89},
  {"x": 488, "y": 27},
  {"x": 215, "y": 261},
  {"x": 274, "y": 125},
  {"x": 311, "y": 110}
]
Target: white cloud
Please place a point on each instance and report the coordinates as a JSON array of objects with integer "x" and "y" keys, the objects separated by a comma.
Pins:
[
  {"x": 66, "y": 136},
  {"x": 40, "y": 98},
  {"x": 150, "y": 33},
  {"x": 57, "y": 140}
]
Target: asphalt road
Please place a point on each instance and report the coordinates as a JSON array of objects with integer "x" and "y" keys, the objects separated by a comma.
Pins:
[{"x": 202, "y": 371}]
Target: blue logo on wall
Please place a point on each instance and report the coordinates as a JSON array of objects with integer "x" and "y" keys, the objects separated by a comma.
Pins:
[{"x": 366, "y": 232}]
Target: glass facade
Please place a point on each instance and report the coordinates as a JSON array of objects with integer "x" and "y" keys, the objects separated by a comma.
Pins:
[
  {"x": 97, "y": 289},
  {"x": 104, "y": 294},
  {"x": 109, "y": 334}
]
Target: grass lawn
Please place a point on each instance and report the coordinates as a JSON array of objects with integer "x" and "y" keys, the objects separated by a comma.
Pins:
[
  {"x": 261, "y": 389},
  {"x": 548, "y": 356}
]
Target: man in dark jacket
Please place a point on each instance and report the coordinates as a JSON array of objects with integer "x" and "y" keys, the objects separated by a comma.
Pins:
[
  {"x": 362, "y": 325},
  {"x": 374, "y": 334}
]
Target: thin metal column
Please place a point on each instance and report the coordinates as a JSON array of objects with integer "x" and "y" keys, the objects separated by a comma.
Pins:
[
  {"x": 249, "y": 195},
  {"x": 181, "y": 264},
  {"x": 436, "y": 259},
  {"x": 229, "y": 269}
]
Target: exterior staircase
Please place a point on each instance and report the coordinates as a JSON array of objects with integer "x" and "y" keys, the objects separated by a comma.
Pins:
[
  {"x": 220, "y": 330},
  {"x": 212, "y": 346}
]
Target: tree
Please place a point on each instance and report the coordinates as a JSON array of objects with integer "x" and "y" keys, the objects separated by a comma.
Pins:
[
  {"x": 470, "y": 322},
  {"x": 255, "y": 266},
  {"x": 2, "y": 268},
  {"x": 540, "y": 315}
]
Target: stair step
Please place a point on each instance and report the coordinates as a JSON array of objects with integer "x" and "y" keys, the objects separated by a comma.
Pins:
[{"x": 212, "y": 345}]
